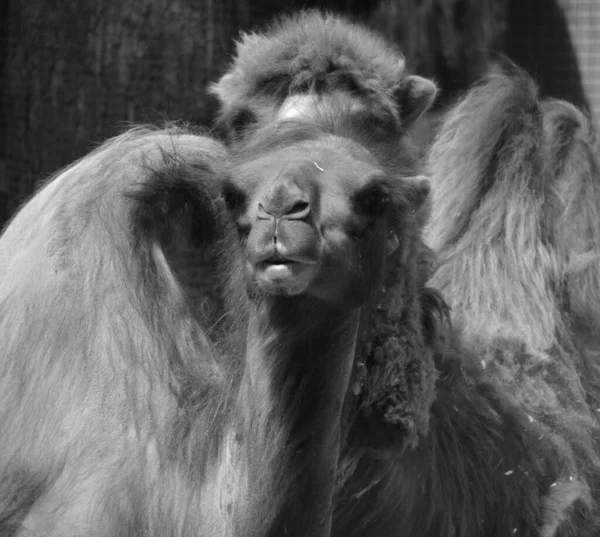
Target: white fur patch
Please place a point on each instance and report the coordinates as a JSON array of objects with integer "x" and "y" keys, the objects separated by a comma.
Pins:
[
  {"x": 298, "y": 106},
  {"x": 304, "y": 106}
]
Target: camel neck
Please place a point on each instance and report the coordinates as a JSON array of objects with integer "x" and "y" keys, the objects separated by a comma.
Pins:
[{"x": 298, "y": 367}]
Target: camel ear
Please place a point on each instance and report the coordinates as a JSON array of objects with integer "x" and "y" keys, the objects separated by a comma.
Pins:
[
  {"x": 414, "y": 97},
  {"x": 224, "y": 87},
  {"x": 232, "y": 118},
  {"x": 417, "y": 190}
]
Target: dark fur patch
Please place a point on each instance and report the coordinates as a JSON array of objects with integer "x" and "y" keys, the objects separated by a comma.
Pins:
[
  {"x": 174, "y": 192},
  {"x": 19, "y": 491}
]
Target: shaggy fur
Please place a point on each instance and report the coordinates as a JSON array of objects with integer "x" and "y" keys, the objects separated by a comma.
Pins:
[
  {"x": 98, "y": 345},
  {"x": 514, "y": 215},
  {"x": 511, "y": 225}
]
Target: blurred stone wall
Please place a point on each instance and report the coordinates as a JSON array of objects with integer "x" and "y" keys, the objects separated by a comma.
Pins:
[{"x": 75, "y": 72}]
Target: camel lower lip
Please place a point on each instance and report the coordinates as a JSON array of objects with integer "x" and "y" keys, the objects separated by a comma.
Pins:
[
  {"x": 288, "y": 278},
  {"x": 279, "y": 270}
]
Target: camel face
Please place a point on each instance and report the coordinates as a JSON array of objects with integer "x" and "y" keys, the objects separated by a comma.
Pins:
[{"x": 312, "y": 219}]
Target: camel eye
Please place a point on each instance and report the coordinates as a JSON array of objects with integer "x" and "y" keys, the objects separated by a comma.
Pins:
[
  {"x": 235, "y": 199},
  {"x": 373, "y": 199},
  {"x": 242, "y": 119}
]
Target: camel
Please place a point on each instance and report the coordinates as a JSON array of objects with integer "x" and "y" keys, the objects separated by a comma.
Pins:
[{"x": 121, "y": 414}]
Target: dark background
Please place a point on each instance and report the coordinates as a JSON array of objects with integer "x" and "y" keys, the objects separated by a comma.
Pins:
[{"x": 75, "y": 72}]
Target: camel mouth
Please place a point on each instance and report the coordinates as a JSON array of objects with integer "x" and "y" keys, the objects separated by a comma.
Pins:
[
  {"x": 278, "y": 252},
  {"x": 281, "y": 276}
]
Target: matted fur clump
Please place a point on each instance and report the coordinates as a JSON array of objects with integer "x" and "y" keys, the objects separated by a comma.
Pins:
[
  {"x": 515, "y": 203},
  {"x": 395, "y": 374}
]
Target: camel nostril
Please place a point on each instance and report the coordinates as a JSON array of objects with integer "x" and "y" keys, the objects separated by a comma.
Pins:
[
  {"x": 289, "y": 211},
  {"x": 299, "y": 210}
]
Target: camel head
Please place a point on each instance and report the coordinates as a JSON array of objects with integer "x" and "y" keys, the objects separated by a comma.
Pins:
[
  {"x": 301, "y": 63},
  {"x": 315, "y": 216}
]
